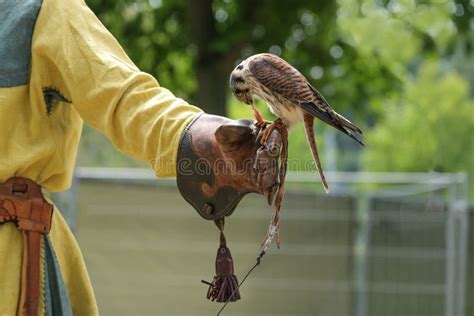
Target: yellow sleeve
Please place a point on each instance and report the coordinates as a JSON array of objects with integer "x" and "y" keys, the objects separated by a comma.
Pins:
[{"x": 80, "y": 57}]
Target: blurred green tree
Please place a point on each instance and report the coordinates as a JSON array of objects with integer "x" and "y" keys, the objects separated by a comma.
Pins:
[
  {"x": 425, "y": 122},
  {"x": 428, "y": 127},
  {"x": 191, "y": 46},
  {"x": 365, "y": 56}
]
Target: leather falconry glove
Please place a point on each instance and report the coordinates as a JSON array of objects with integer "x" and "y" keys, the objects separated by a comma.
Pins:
[{"x": 219, "y": 161}]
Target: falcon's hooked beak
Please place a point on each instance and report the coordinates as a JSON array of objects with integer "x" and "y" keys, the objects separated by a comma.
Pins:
[{"x": 243, "y": 95}]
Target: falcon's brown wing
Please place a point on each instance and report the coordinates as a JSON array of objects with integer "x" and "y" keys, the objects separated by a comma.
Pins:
[{"x": 280, "y": 77}]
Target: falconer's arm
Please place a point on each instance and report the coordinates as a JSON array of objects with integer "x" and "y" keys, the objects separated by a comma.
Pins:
[{"x": 85, "y": 62}]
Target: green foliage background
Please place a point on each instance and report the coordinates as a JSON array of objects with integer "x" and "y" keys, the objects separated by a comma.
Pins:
[{"x": 403, "y": 70}]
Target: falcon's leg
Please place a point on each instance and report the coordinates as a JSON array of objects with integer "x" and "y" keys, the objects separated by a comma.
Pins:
[
  {"x": 274, "y": 229},
  {"x": 261, "y": 123},
  {"x": 278, "y": 124}
]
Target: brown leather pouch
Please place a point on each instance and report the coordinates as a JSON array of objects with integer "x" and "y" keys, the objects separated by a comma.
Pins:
[{"x": 22, "y": 202}]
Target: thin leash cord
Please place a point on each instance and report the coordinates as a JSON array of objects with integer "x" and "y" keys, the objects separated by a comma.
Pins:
[{"x": 259, "y": 258}]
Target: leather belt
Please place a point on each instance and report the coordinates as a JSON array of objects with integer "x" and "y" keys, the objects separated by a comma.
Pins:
[{"x": 22, "y": 202}]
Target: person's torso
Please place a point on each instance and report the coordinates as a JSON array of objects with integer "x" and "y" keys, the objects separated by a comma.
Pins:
[{"x": 39, "y": 129}]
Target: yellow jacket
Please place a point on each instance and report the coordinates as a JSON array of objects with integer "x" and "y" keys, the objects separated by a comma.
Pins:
[{"x": 75, "y": 59}]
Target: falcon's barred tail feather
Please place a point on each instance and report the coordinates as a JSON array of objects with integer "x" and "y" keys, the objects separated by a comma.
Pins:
[
  {"x": 308, "y": 127},
  {"x": 331, "y": 117},
  {"x": 349, "y": 128},
  {"x": 347, "y": 124}
]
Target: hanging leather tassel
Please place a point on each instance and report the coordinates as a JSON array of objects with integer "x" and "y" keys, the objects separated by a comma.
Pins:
[{"x": 224, "y": 286}]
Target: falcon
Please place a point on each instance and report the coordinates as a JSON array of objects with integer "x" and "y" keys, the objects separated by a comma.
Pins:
[{"x": 290, "y": 97}]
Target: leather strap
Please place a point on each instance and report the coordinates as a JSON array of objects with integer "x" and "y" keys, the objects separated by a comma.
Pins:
[
  {"x": 30, "y": 287},
  {"x": 22, "y": 202}
]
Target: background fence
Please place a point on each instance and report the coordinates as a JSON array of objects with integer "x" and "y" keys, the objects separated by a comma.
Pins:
[{"x": 381, "y": 244}]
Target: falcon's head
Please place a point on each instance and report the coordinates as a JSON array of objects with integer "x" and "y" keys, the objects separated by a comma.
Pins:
[{"x": 239, "y": 86}]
